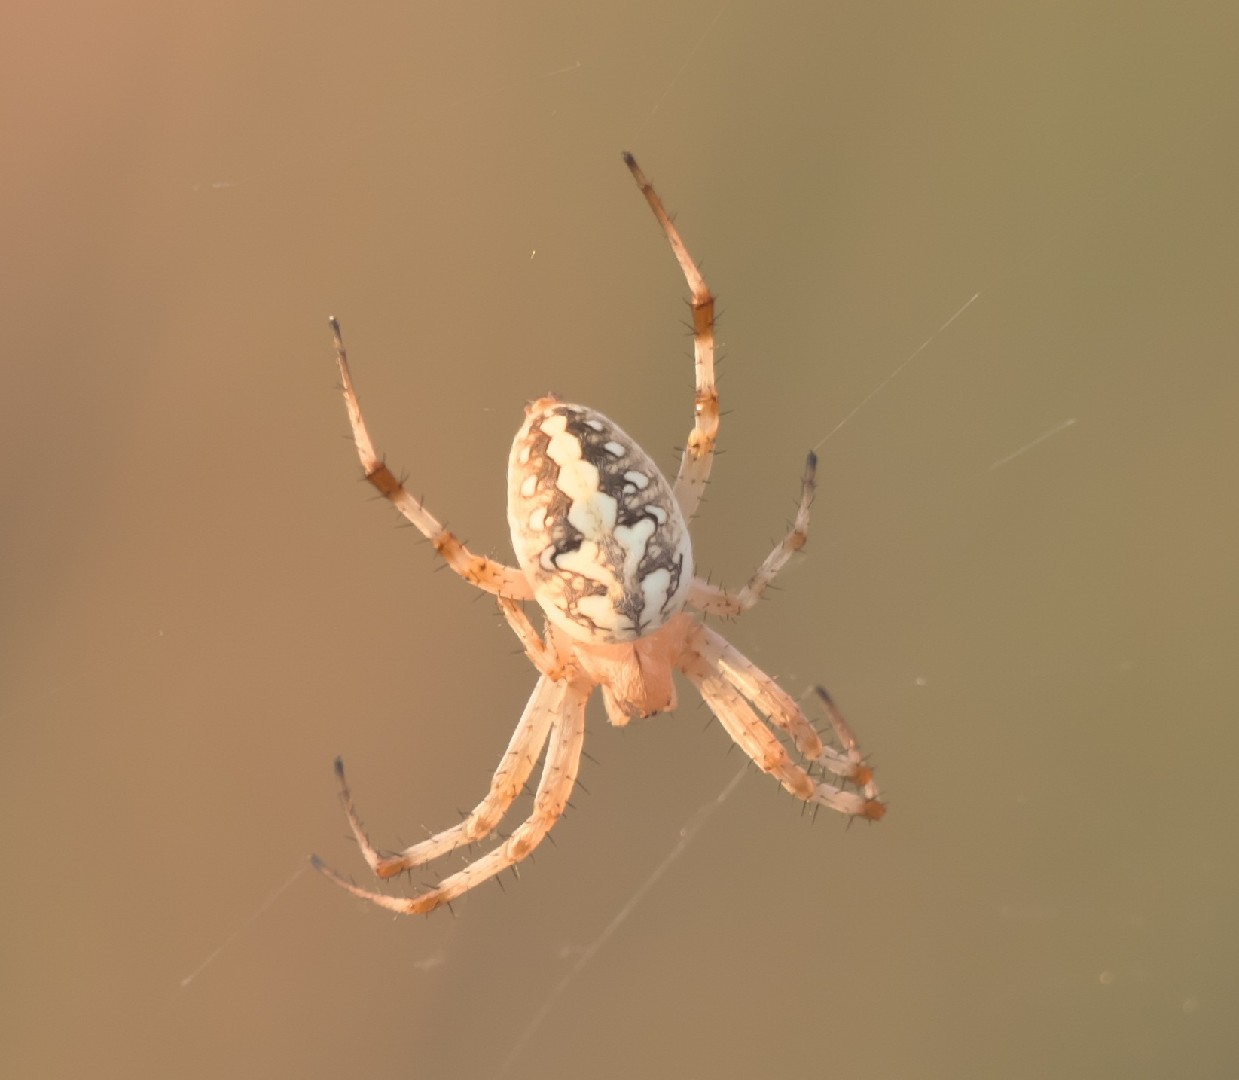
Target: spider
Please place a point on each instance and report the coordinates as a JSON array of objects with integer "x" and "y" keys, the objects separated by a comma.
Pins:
[{"x": 602, "y": 545}]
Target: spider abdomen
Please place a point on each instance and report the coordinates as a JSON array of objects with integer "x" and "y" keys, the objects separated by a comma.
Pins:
[{"x": 595, "y": 525}]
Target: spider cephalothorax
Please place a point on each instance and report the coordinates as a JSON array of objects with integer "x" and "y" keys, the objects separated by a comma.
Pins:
[{"x": 602, "y": 545}]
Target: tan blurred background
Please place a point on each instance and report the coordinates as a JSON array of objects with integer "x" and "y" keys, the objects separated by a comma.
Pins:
[{"x": 202, "y": 605}]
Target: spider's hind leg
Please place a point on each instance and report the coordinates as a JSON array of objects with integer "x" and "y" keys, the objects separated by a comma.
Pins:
[
  {"x": 698, "y": 456},
  {"x": 478, "y": 570},
  {"x": 714, "y": 600}
]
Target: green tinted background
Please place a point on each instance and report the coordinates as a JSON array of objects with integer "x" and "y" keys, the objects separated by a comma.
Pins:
[{"x": 202, "y": 606}]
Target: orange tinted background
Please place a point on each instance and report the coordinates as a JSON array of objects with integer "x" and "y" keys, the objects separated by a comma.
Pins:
[{"x": 202, "y": 606}]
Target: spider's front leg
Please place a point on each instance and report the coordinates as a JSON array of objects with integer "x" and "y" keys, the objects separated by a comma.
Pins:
[
  {"x": 557, "y": 706},
  {"x": 731, "y": 685},
  {"x": 478, "y": 570},
  {"x": 509, "y": 780}
]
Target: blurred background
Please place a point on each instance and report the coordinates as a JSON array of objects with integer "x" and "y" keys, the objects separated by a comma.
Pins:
[{"x": 1021, "y": 586}]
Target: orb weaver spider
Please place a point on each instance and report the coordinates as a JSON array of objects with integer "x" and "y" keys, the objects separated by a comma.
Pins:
[{"x": 602, "y": 545}]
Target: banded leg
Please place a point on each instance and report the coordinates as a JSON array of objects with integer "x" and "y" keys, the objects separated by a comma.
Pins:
[
  {"x": 718, "y": 601},
  {"x": 843, "y": 732},
  {"x": 782, "y": 710},
  {"x": 756, "y": 739},
  {"x": 698, "y": 456},
  {"x": 563, "y": 757},
  {"x": 509, "y": 780},
  {"x": 542, "y": 653},
  {"x": 478, "y": 570}
]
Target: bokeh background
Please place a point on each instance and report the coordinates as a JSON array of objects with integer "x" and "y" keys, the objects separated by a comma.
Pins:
[{"x": 1021, "y": 585}]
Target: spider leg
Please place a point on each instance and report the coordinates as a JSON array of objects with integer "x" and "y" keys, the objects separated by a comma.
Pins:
[
  {"x": 563, "y": 757},
  {"x": 698, "y": 456},
  {"x": 727, "y": 700},
  {"x": 843, "y": 732},
  {"x": 478, "y": 570},
  {"x": 544, "y": 705},
  {"x": 542, "y": 653},
  {"x": 783, "y": 711},
  {"x": 717, "y": 601}
]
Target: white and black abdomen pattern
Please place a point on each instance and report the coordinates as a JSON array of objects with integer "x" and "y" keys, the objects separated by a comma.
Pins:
[{"x": 595, "y": 525}]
